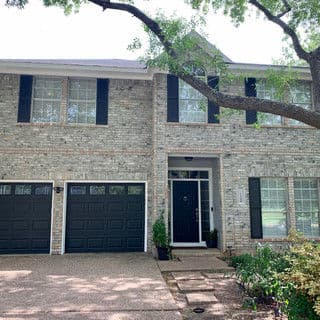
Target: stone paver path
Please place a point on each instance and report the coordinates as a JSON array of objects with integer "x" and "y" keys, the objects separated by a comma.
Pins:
[{"x": 218, "y": 293}]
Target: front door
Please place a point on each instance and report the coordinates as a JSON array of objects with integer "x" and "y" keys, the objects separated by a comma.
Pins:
[{"x": 185, "y": 211}]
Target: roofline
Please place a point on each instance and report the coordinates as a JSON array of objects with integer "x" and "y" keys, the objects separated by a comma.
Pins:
[
  {"x": 263, "y": 67},
  {"x": 96, "y": 71},
  {"x": 75, "y": 70}
]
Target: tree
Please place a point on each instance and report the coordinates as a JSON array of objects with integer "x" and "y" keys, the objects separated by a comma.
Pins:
[{"x": 299, "y": 21}]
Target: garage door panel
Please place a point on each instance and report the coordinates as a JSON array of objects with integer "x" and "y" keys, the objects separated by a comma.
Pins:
[
  {"x": 20, "y": 225},
  {"x": 96, "y": 224},
  {"x": 5, "y": 226},
  {"x": 116, "y": 224},
  {"x": 77, "y": 224},
  {"x": 76, "y": 244},
  {"x": 135, "y": 206},
  {"x": 25, "y": 218},
  {"x": 134, "y": 242},
  {"x": 41, "y": 225},
  {"x": 115, "y": 243},
  {"x": 115, "y": 206},
  {"x": 95, "y": 243},
  {"x": 40, "y": 244},
  {"x": 114, "y": 219}
]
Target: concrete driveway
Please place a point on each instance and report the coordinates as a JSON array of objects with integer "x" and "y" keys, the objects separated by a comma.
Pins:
[{"x": 84, "y": 286}]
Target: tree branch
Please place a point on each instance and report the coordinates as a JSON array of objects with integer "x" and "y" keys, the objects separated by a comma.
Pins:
[
  {"x": 287, "y": 9},
  {"x": 302, "y": 54},
  {"x": 223, "y": 100}
]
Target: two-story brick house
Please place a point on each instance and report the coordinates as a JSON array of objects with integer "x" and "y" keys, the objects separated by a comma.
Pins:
[{"x": 92, "y": 151}]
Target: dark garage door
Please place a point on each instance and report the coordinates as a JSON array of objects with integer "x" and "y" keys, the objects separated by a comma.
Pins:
[
  {"x": 25, "y": 217},
  {"x": 105, "y": 217}
]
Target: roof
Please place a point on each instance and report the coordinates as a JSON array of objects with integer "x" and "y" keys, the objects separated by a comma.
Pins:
[{"x": 116, "y": 63}]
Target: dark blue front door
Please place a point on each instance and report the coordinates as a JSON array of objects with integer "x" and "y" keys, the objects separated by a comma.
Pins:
[{"x": 185, "y": 211}]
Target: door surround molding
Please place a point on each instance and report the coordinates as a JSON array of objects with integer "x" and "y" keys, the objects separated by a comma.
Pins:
[{"x": 201, "y": 242}]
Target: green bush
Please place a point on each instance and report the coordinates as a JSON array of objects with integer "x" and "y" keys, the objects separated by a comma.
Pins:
[
  {"x": 303, "y": 274},
  {"x": 291, "y": 279}
]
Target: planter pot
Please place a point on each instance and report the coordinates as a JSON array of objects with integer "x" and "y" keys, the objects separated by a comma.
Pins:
[
  {"x": 212, "y": 243},
  {"x": 163, "y": 253}
]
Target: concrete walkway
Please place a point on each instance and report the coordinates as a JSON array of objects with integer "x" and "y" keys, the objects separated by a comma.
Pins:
[{"x": 84, "y": 286}]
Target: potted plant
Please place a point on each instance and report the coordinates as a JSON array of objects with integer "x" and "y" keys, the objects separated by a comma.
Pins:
[
  {"x": 160, "y": 238},
  {"x": 212, "y": 239}
]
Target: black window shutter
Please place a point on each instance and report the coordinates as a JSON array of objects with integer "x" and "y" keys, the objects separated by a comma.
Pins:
[
  {"x": 250, "y": 91},
  {"x": 213, "y": 109},
  {"x": 255, "y": 208},
  {"x": 102, "y": 101},
  {"x": 25, "y": 95},
  {"x": 172, "y": 98}
]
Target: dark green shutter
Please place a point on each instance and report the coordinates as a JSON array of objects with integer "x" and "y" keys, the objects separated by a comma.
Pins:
[
  {"x": 102, "y": 101},
  {"x": 250, "y": 91},
  {"x": 255, "y": 208},
  {"x": 213, "y": 109},
  {"x": 172, "y": 98},
  {"x": 25, "y": 96}
]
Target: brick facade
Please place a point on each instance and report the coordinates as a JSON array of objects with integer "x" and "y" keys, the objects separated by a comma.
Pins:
[{"x": 137, "y": 144}]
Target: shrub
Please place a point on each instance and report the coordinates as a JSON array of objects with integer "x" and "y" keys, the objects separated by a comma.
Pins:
[
  {"x": 159, "y": 233},
  {"x": 291, "y": 279},
  {"x": 303, "y": 274}
]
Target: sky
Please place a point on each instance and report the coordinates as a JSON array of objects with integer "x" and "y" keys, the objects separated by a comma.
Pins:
[{"x": 46, "y": 33}]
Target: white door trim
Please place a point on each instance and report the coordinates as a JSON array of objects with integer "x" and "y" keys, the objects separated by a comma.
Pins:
[
  {"x": 201, "y": 243},
  {"x": 104, "y": 181}
]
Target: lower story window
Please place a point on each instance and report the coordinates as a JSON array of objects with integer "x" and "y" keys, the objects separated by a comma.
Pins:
[
  {"x": 274, "y": 207},
  {"x": 306, "y": 195}
]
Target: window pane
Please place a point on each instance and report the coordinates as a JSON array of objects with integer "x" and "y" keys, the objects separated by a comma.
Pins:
[
  {"x": 5, "y": 189},
  {"x": 300, "y": 94},
  {"x": 23, "y": 189},
  {"x": 268, "y": 92},
  {"x": 135, "y": 190},
  {"x": 274, "y": 207},
  {"x": 78, "y": 190},
  {"x": 306, "y": 195},
  {"x": 117, "y": 189},
  {"x": 192, "y": 104},
  {"x": 82, "y": 101},
  {"x": 46, "y": 100},
  {"x": 43, "y": 190},
  {"x": 97, "y": 190}
]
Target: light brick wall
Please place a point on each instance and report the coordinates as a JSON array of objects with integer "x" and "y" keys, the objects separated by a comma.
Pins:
[
  {"x": 122, "y": 150},
  {"x": 243, "y": 152},
  {"x": 136, "y": 144}
]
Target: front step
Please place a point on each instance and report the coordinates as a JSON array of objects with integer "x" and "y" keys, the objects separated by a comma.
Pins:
[{"x": 196, "y": 252}]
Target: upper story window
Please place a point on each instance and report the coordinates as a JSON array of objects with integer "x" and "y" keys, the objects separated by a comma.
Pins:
[
  {"x": 187, "y": 105},
  {"x": 299, "y": 94},
  {"x": 192, "y": 104},
  {"x": 81, "y": 101},
  {"x": 46, "y": 100}
]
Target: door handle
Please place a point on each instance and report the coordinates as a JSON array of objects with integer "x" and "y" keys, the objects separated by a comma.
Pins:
[{"x": 197, "y": 214}]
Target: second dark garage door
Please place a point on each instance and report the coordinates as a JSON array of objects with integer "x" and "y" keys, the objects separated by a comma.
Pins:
[{"x": 105, "y": 217}]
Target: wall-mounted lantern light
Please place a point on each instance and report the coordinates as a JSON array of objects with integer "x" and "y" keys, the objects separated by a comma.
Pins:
[{"x": 58, "y": 189}]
